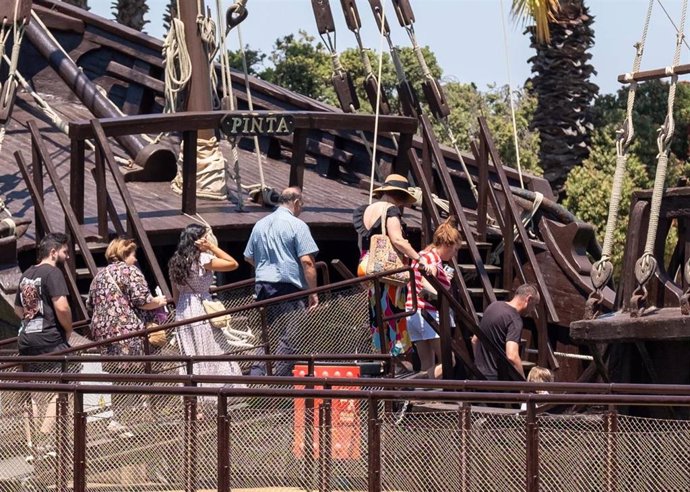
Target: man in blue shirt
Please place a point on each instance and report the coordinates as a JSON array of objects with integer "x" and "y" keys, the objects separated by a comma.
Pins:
[{"x": 282, "y": 251}]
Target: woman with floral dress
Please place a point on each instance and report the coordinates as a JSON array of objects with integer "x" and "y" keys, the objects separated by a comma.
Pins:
[
  {"x": 121, "y": 303},
  {"x": 191, "y": 272}
]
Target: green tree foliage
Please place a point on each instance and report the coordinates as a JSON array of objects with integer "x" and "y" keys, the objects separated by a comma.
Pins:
[
  {"x": 255, "y": 60},
  {"x": 649, "y": 113},
  {"x": 588, "y": 188},
  {"x": 302, "y": 65},
  {"x": 467, "y": 102},
  {"x": 498, "y": 116}
]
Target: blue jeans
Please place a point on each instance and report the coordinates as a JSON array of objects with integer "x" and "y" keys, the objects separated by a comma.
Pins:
[{"x": 267, "y": 290}]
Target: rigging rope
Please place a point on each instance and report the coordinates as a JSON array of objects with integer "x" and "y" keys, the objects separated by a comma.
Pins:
[
  {"x": 646, "y": 264},
  {"x": 378, "y": 104},
  {"x": 439, "y": 97},
  {"x": 8, "y": 88},
  {"x": 510, "y": 95},
  {"x": 339, "y": 71},
  {"x": 602, "y": 270},
  {"x": 228, "y": 102}
]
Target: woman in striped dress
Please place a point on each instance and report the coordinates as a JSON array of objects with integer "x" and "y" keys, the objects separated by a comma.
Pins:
[{"x": 444, "y": 247}]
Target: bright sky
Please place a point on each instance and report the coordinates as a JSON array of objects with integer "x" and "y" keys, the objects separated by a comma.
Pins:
[{"x": 466, "y": 35}]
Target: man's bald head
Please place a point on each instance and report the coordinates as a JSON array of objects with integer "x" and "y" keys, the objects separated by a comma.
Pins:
[{"x": 291, "y": 198}]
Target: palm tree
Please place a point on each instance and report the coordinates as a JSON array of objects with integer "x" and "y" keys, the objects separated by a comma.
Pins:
[
  {"x": 130, "y": 13},
  {"x": 79, "y": 3},
  {"x": 560, "y": 80},
  {"x": 170, "y": 14}
]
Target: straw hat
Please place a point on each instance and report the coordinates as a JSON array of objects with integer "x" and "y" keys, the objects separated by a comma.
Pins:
[{"x": 399, "y": 183}]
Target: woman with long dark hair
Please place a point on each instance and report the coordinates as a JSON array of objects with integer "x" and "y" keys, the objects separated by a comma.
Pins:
[{"x": 191, "y": 272}]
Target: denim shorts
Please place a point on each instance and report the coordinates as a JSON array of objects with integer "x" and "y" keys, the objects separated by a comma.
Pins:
[{"x": 419, "y": 329}]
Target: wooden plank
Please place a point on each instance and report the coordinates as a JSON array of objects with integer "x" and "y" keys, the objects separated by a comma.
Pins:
[
  {"x": 76, "y": 178},
  {"x": 664, "y": 324},
  {"x": 299, "y": 147},
  {"x": 189, "y": 162},
  {"x": 457, "y": 208},
  {"x": 135, "y": 76},
  {"x": 74, "y": 225},
  {"x": 517, "y": 221}
]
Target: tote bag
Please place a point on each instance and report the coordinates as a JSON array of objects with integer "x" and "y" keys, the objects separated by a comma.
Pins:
[{"x": 383, "y": 256}]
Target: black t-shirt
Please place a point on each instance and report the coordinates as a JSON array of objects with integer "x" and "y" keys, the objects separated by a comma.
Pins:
[
  {"x": 501, "y": 323},
  {"x": 40, "y": 327}
]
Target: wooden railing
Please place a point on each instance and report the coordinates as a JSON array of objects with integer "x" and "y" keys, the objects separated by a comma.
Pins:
[
  {"x": 189, "y": 123},
  {"x": 507, "y": 217}
]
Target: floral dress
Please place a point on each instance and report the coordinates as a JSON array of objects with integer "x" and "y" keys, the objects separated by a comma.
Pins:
[
  {"x": 201, "y": 338},
  {"x": 116, "y": 294}
]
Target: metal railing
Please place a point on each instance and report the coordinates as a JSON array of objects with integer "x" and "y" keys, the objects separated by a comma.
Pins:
[{"x": 350, "y": 440}]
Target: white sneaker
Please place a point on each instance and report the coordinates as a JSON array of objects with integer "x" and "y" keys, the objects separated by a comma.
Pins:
[{"x": 115, "y": 427}]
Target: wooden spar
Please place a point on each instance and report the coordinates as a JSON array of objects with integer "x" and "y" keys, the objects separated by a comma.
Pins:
[
  {"x": 199, "y": 98},
  {"x": 657, "y": 73},
  {"x": 154, "y": 158}
]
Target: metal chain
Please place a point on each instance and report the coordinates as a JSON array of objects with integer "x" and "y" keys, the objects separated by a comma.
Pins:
[
  {"x": 646, "y": 264},
  {"x": 602, "y": 270}
]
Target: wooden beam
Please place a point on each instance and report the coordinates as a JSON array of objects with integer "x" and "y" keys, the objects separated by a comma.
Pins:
[
  {"x": 189, "y": 155},
  {"x": 665, "y": 324},
  {"x": 131, "y": 75},
  {"x": 193, "y": 120},
  {"x": 655, "y": 74},
  {"x": 299, "y": 147}
]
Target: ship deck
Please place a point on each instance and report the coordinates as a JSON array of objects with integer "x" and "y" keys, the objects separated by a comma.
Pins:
[{"x": 328, "y": 210}]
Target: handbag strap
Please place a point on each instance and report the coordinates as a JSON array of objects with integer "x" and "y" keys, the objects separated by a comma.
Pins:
[
  {"x": 384, "y": 217},
  {"x": 112, "y": 279}
]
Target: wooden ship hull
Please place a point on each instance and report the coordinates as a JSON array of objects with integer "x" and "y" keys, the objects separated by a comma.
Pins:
[{"x": 126, "y": 67}]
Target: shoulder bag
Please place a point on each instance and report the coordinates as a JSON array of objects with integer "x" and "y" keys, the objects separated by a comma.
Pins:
[{"x": 383, "y": 256}]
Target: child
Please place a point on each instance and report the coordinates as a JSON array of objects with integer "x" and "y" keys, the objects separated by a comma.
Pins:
[{"x": 538, "y": 374}]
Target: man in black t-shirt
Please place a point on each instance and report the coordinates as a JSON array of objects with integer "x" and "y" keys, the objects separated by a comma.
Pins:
[
  {"x": 42, "y": 301},
  {"x": 46, "y": 323},
  {"x": 501, "y": 327}
]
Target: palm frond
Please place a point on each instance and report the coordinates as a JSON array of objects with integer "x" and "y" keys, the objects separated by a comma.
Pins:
[{"x": 541, "y": 12}]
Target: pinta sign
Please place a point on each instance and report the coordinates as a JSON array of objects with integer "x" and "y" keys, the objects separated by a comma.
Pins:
[{"x": 235, "y": 125}]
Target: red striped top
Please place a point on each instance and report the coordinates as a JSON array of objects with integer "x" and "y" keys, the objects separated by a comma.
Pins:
[{"x": 430, "y": 258}]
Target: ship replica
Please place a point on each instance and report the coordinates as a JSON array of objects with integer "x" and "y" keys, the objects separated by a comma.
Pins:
[{"x": 107, "y": 131}]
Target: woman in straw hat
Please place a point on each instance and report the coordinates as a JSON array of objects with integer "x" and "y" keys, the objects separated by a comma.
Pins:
[{"x": 392, "y": 197}]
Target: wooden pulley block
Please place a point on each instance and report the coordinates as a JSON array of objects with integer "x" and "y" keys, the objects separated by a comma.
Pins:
[
  {"x": 403, "y": 10},
  {"x": 409, "y": 102},
  {"x": 323, "y": 16},
  {"x": 371, "y": 88},
  {"x": 15, "y": 9},
  {"x": 345, "y": 90},
  {"x": 351, "y": 14},
  {"x": 7, "y": 96},
  {"x": 377, "y": 9},
  {"x": 158, "y": 163},
  {"x": 436, "y": 98},
  {"x": 234, "y": 16}
]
